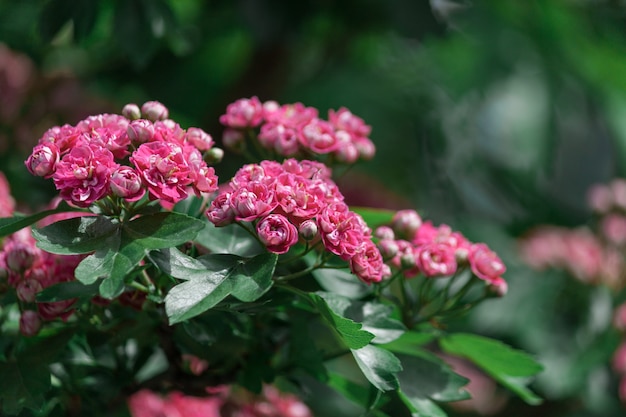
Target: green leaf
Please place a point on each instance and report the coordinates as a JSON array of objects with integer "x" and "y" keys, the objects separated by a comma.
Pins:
[
  {"x": 25, "y": 378},
  {"x": 163, "y": 230},
  {"x": 231, "y": 239},
  {"x": 303, "y": 350},
  {"x": 422, "y": 407},
  {"x": 379, "y": 366},
  {"x": 350, "y": 331},
  {"x": 67, "y": 290},
  {"x": 374, "y": 316},
  {"x": 512, "y": 368},
  {"x": 424, "y": 376},
  {"x": 342, "y": 282},
  {"x": 197, "y": 295},
  {"x": 253, "y": 278},
  {"x": 351, "y": 390},
  {"x": 9, "y": 225},
  {"x": 77, "y": 235},
  {"x": 409, "y": 342},
  {"x": 175, "y": 263}
]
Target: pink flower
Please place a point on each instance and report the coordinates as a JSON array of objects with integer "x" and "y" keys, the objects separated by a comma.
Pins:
[
  {"x": 252, "y": 201},
  {"x": 82, "y": 175},
  {"x": 126, "y": 183},
  {"x": 203, "y": 177},
  {"x": 63, "y": 137},
  {"x": 343, "y": 232},
  {"x": 436, "y": 259},
  {"x": 296, "y": 198},
  {"x": 220, "y": 212},
  {"x": 53, "y": 310},
  {"x": 367, "y": 264},
  {"x": 233, "y": 139},
  {"x": 30, "y": 323},
  {"x": 145, "y": 403},
  {"x": 600, "y": 198},
  {"x": 243, "y": 113},
  {"x": 613, "y": 227},
  {"x": 196, "y": 365},
  {"x": 43, "y": 160},
  {"x": 343, "y": 119},
  {"x": 291, "y": 115},
  {"x": 283, "y": 139},
  {"x": 109, "y": 131},
  {"x": 140, "y": 131},
  {"x": 318, "y": 136},
  {"x": 131, "y": 111},
  {"x": 199, "y": 138},
  {"x": 407, "y": 222},
  {"x": 7, "y": 204},
  {"x": 485, "y": 264},
  {"x": 163, "y": 170},
  {"x": 27, "y": 290},
  {"x": 277, "y": 233},
  {"x": 19, "y": 256},
  {"x": 154, "y": 110}
]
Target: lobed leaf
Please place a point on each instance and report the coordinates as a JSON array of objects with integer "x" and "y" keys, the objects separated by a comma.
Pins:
[
  {"x": 511, "y": 367},
  {"x": 379, "y": 366}
]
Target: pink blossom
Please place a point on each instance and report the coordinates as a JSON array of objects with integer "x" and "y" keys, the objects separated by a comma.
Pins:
[
  {"x": 30, "y": 323},
  {"x": 618, "y": 191},
  {"x": 243, "y": 113},
  {"x": 366, "y": 148},
  {"x": 27, "y": 290},
  {"x": 277, "y": 233},
  {"x": 436, "y": 259},
  {"x": 154, "y": 111},
  {"x": 233, "y": 139},
  {"x": 296, "y": 198},
  {"x": 485, "y": 264},
  {"x": 145, "y": 403},
  {"x": 131, "y": 111},
  {"x": 318, "y": 136},
  {"x": 163, "y": 170},
  {"x": 109, "y": 131},
  {"x": 388, "y": 248},
  {"x": 367, "y": 264},
  {"x": 126, "y": 183},
  {"x": 64, "y": 137},
  {"x": 140, "y": 131},
  {"x": 252, "y": 201},
  {"x": 343, "y": 232},
  {"x": 283, "y": 139},
  {"x": 406, "y": 222},
  {"x": 82, "y": 175},
  {"x": 308, "y": 229},
  {"x": 613, "y": 227},
  {"x": 7, "y": 204},
  {"x": 43, "y": 160},
  {"x": 384, "y": 232},
  {"x": 600, "y": 198},
  {"x": 58, "y": 309},
  {"x": 292, "y": 115},
  {"x": 220, "y": 212},
  {"x": 498, "y": 287},
  {"x": 203, "y": 177},
  {"x": 196, "y": 365},
  {"x": 343, "y": 119},
  {"x": 199, "y": 138},
  {"x": 19, "y": 256}
]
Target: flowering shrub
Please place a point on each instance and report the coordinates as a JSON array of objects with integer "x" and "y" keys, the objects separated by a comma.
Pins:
[{"x": 151, "y": 285}]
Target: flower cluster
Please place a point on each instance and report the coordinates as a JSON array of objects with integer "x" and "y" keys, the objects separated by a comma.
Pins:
[
  {"x": 221, "y": 401},
  {"x": 29, "y": 270},
  {"x": 298, "y": 199},
  {"x": 295, "y": 130},
  {"x": 88, "y": 161},
  {"x": 417, "y": 247}
]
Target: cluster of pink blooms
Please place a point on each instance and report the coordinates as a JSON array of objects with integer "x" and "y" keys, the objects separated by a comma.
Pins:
[
  {"x": 594, "y": 257},
  {"x": 222, "y": 402},
  {"x": 87, "y": 161},
  {"x": 298, "y": 199},
  {"x": 417, "y": 247},
  {"x": 296, "y": 130},
  {"x": 28, "y": 270}
]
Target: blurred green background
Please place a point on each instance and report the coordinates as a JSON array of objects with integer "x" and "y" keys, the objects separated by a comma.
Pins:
[{"x": 491, "y": 116}]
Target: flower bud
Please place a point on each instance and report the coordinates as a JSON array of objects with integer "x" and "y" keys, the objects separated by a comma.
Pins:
[
  {"x": 308, "y": 230},
  {"x": 347, "y": 153},
  {"x": 366, "y": 148},
  {"x": 30, "y": 323},
  {"x": 126, "y": 183},
  {"x": 20, "y": 256},
  {"x": 406, "y": 222},
  {"x": 233, "y": 139},
  {"x": 131, "y": 111},
  {"x": 42, "y": 161},
  {"x": 388, "y": 248},
  {"x": 408, "y": 260},
  {"x": 153, "y": 110},
  {"x": 498, "y": 288},
  {"x": 199, "y": 138},
  {"x": 196, "y": 365},
  {"x": 214, "y": 156},
  {"x": 27, "y": 290},
  {"x": 140, "y": 131},
  {"x": 384, "y": 232}
]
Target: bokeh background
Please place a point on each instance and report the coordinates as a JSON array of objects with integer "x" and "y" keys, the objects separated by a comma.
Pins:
[{"x": 492, "y": 116}]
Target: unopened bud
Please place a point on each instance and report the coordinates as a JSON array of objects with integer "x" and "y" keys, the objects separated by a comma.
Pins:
[
  {"x": 388, "y": 248},
  {"x": 30, "y": 323},
  {"x": 308, "y": 230},
  {"x": 27, "y": 290},
  {"x": 214, "y": 156},
  {"x": 498, "y": 288},
  {"x": 407, "y": 260},
  {"x": 20, "y": 257},
  {"x": 406, "y": 222},
  {"x": 199, "y": 138},
  {"x": 153, "y": 110},
  {"x": 384, "y": 232},
  {"x": 140, "y": 131},
  {"x": 131, "y": 111},
  {"x": 366, "y": 148},
  {"x": 233, "y": 139},
  {"x": 347, "y": 153},
  {"x": 125, "y": 182}
]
